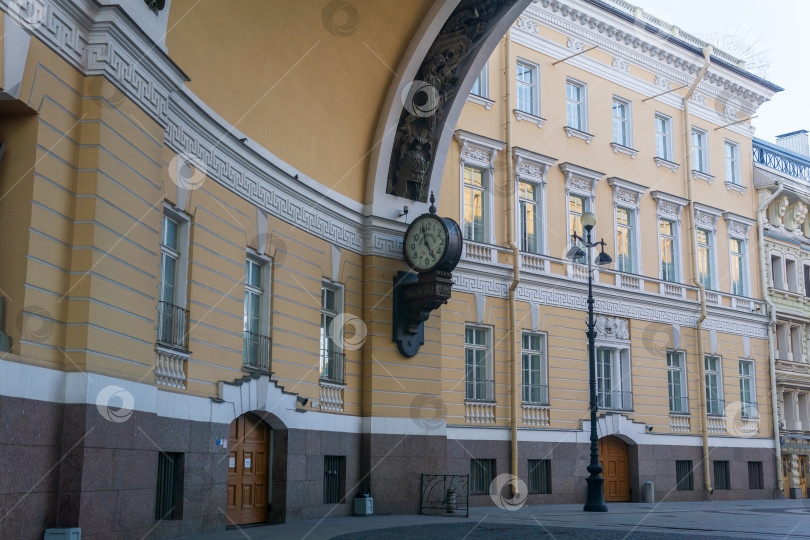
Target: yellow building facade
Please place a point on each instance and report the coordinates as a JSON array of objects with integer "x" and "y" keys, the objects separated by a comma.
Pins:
[{"x": 203, "y": 238}]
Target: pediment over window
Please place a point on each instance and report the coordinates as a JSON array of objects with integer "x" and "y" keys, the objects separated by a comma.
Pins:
[
  {"x": 738, "y": 225},
  {"x": 612, "y": 328},
  {"x": 477, "y": 149},
  {"x": 626, "y": 193},
  {"x": 580, "y": 179},
  {"x": 668, "y": 206},
  {"x": 706, "y": 216},
  {"x": 531, "y": 166}
]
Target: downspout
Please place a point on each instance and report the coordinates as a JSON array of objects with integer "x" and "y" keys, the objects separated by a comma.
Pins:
[
  {"x": 512, "y": 244},
  {"x": 687, "y": 150},
  {"x": 763, "y": 262}
]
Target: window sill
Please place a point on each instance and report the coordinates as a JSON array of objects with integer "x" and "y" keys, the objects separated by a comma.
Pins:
[
  {"x": 482, "y": 401},
  {"x": 736, "y": 187},
  {"x": 332, "y": 382},
  {"x": 621, "y": 149},
  {"x": 522, "y": 116},
  {"x": 481, "y": 100},
  {"x": 535, "y": 404},
  {"x": 661, "y": 162},
  {"x": 702, "y": 176},
  {"x": 573, "y": 132}
]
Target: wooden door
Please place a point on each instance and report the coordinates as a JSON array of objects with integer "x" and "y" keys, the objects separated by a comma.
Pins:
[
  {"x": 248, "y": 479},
  {"x": 786, "y": 475},
  {"x": 803, "y": 475},
  {"x": 614, "y": 456}
]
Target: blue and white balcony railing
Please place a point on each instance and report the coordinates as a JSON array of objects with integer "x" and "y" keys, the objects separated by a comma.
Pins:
[{"x": 781, "y": 159}]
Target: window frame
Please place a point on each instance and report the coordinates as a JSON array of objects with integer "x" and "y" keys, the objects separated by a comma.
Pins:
[
  {"x": 737, "y": 168},
  {"x": 539, "y": 211},
  {"x": 583, "y": 104},
  {"x": 687, "y": 483},
  {"x": 682, "y": 399},
  {"x": 669, "y": 208},
  {"x": 539, "y": 476},
  {"x": 628, "y": 122},
  {"x": 668, "y": 146},
  {"x": 748, "y": 409},
  {"x": 482, "y": 81},
  {"x": 619, "y": 363},
  {"x": 489, "y": 382},
  {"x": 334, "y": 355},
  {"x": 180, "y": 254},
  {"x": 742, "y": 256},
  {"x": 721, "y": 468},
  {"x": 756, "y": 478},
  {"x": 701, "y": 166},
  {"x": 480, "y": 153},
  {"x": 718, "y": 373},
  {"x": 711, "y": 251},
  {"x": 535, "y": 87},
  {"x": 632, "y": 221},
  {"x": 481, "y": 477},
  {"x": 543, "y": 353},
  {"x": 532, "y": 168}
]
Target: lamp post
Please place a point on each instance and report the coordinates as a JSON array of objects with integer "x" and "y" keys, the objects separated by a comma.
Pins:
[{"x": 596, "y": 499}]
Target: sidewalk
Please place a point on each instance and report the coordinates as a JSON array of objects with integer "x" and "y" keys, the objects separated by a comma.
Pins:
[{"x": 633, "y": 521}]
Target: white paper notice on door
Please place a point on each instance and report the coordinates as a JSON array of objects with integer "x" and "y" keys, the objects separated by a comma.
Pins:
[
  {"x": 247, "y": 463},
  {"x": 232, "y": 463}
]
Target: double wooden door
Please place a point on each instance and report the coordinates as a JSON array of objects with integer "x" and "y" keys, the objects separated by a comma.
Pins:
[
  {"x": 248, "y": 464},
  {"x": 803, "y": 475},
  {"x": 786, "y": 475},
  {"x": 614, "y": 457}
]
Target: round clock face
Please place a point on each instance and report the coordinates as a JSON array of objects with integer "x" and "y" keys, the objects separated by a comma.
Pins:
[{"x": 426, "y": 243}]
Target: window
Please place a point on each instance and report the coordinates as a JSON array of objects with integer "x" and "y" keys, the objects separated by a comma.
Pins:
[
  {"x": 755, "y": 480},
  {"x": 481, "y": 85},
  {"x": 676, "y": 382},
  {"x": 482, "y": 473},
  {"x": 807, "y": 281},
  {"x": 791, "y": 275},
  {"x": 663, "y": 137},
  {"x": 613, "y": 379},
  {"x": 748, "y": 408},
  {"x": 526, "y": 88},
  {"x": 474, "y": 195},
  {"x": 476, "y": 364},
  {"x": 737, "y": 267},
  {"x": 172, "y": 317},
  {"x": 529, "y": 198},
  {"x": 795, "y": 345},
  {"x": 714, "y": 395},
  {"x": 624, "y": 240},
  {"x": 704, "y": 257},
  {"x": 334, "y": 479},
  {"x": 777, "y": 272},
  {"x": 700, "y": 153},
  {"x": 575, "y": 106},
  {"x": 667, "y": 231},
  {"x": 169, "y": 495},
  {"x": 540, "y": 476},
  {"x": 535, "y": 388},
  {"x": 683, "y": 475},
  {"x": 256, "y": 311},
  {"x": 331, "y": 364},
  {"x": 732, "y": 163},
  {"x": 576, "y": 207},
  {"x": 722, "y": 476},
  {"x": 621, "y": 122}
]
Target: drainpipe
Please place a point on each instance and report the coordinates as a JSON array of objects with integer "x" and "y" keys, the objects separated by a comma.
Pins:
[
  {"x": 512, "y": 244},
  {"x": 687, "y": 150},
  {"x": 763, "y": 262}
]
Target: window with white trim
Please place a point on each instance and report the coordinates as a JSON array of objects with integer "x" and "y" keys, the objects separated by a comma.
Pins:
[
  {"x": 256, "y": 321},
  {"x": 777, "y": 272},
  {"x": 748, "y": 396},
  {"x": 527, "y": 94},
  {"x": 477, "y": 363},
  {"x": 576, "y": 105},
  {"x": 738, "y": 270},
  {"x": 705, "y": 257},
  {"x": 576, "y": 207},
  {"x": 613, "y": 386},
  {"x": 481, "y": 85},
  {"x": 732, "y": 151},
  {"x": 331, "y": 339},
  {"x": 624, "y": 240},
  {"x": 475, "y": 202},
  {"x": 535, "y": 383},
  {"x": 172, "y": 312},
  {"x": 663, "y": 137},
  {"x": 622, "y": 123},
  {"x": 668, "y": 231},
  {"x": 792, "y": 275},
  {"x": 676, "y": 383},
  {"x": 529, "y": 208},
  {"x": 700, "y": 151},
  {"x": 714, "y": 386}
]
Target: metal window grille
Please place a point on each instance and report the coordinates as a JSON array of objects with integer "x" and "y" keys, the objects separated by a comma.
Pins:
[
  {"x": 169, "y": 499},
  {"x": 683, "y": 475},
  {"x": 540, "y": 476},
  {"x": 755, "y": 475},
  {"x": 334, "y": 479},
  {"x": 722, "y": 475},
  {"x": 172, "y": 326},
  {"x": 482, "y": 473}
]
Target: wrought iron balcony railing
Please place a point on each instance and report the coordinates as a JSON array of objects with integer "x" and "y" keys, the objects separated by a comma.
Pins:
[
  {"x": 716, "y": 407},
  {"x": 616, "y": 400},
  {"x": 332, "y": 365},
  {"x": 535, "y": 394},
  {"x": 678, "y": 405},
  {"x": 748, "y": 409},
  {"x": 257, "y": 351},
  {"x": 172, "y": 326},
  {"x": 480, "y": 390},
  {"x": 782, "y": 160}
]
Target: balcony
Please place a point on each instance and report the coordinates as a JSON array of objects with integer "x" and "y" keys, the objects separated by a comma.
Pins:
[
  {"x": 332, "y": 366},
  {"x": 615, "y": 400},
  {"x": 257, "y": 352},
  {"x": 781, "y": 159},
  {"x": 172, "y": 326}
]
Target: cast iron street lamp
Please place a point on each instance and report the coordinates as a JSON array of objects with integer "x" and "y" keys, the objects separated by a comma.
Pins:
[{"x": 596, "y": 499}]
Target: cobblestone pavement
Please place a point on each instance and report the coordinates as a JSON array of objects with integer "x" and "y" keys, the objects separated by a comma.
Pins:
[{"x": 631, "y": 521}]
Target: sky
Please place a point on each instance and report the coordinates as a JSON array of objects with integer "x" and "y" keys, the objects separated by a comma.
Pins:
[{"x": 778, "y": 28}]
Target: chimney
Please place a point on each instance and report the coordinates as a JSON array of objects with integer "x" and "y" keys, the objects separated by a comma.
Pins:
[{"x": 795, "y": 141}]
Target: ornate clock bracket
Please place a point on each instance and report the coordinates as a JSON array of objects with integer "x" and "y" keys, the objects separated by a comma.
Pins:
[{"x": 415, "y": 296}]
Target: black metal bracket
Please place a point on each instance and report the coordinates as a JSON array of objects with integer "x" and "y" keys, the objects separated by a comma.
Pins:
[{"x": 415, "y": 296}]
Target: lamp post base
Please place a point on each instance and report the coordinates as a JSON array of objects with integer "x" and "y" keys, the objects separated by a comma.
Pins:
[{"x": 595, "y": 501}]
